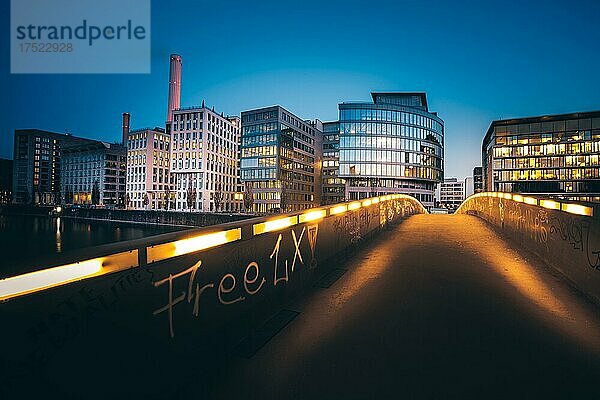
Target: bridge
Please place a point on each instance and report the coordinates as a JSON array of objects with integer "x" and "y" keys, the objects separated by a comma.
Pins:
[{"x": 366, "y": 299}]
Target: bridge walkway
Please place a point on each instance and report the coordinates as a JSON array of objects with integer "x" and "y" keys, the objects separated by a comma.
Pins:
[{"x": 440, "y": 306}]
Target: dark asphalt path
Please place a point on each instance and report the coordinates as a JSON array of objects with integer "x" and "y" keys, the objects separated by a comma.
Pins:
[{"x": 438, "y": 307}]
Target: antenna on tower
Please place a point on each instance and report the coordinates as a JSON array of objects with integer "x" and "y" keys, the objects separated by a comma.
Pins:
[{"x": 202, "y": 103}]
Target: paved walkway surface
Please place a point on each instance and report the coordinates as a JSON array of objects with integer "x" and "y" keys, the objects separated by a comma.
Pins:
[{"x": 438, "y": 307}]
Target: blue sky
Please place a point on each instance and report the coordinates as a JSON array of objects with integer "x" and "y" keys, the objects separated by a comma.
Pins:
[{"x": 477, "y": 62}]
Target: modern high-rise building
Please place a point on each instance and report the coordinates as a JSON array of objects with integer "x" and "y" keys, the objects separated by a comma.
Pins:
[
  {"x": 333, "y": 185},
  {"x": 37, "y": 165},
  {"x": 149, "y": 184},
  {"x": 452, "y": 193},
  {"x": 204, "y": 160},
  {"x": 281, "y": 160},
  {"x": 555, "y": 155},
  {"x": 477, "y": 179},
  {"x": 94, "y": 173},
  {"x": 392, "y": 145}
]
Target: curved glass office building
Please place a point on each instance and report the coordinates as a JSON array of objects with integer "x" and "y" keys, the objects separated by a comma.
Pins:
[{"x": 393, "y": 145}]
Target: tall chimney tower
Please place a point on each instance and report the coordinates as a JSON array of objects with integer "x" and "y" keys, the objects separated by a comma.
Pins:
[
  {"x": 174, "y": 85},
  {"x": 126, "y": 117}
]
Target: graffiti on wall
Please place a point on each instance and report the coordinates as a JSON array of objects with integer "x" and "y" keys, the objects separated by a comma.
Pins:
[
  {"x": 578, "y": 234},
  {"x": 540, "y": 226},
  {"x": 228, "y": 291}
]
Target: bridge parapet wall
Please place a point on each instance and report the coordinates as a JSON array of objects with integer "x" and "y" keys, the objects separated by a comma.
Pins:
[
  {"x": 565, "y": 235},
  {"x": 121, "y": 307}
]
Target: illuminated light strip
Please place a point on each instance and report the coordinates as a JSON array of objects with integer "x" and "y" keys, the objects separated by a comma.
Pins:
[
  {"x": 530, "y": 200},
  {"x": 550, "y": 204},
  {"x": 577, "y": 209},
  {"x": 57, "y": 276},
  {"x": 190, "y": 245},
  {"x": 312, "y": 216},
  {"x": 274, "y": 225},
  {"x": 518, "y": 197},
  {"x": 388, "y": 197},
  {"x": 375, "y": 200},
  {"x": 367, "y": 203},
  {"x": 507, "y": 196},
  {"x": 338, "y": 209},
  {"x": 354, "y": 206}
]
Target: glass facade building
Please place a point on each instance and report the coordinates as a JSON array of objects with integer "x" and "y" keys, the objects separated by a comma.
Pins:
[
  {"x": 557, "y": 155},
  {"x": 280, "y": 160},
  {"x": 333, "y": 185},
  {"x": 392, "y": 145}
]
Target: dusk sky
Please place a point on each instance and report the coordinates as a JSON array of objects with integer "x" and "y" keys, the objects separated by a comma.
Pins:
[{"x": 477, "y": 62}]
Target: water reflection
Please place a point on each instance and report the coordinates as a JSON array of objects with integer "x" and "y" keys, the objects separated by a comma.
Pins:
[
  {"x": 30, "y": 241},
  {"x": 58, "y": 239}
]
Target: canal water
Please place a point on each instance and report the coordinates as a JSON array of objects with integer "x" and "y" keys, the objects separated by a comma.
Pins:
[{"x": 28, "y": 243}]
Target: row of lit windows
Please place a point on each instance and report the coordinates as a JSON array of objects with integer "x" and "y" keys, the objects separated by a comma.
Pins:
[
  {"x": 387, "y": 170},
  {"x": 259, "y": 140},
  {"x": 263, "y": 173},
  {"x": 548, "y": 138},
  {"x": 380, "y": 142},
  {"x": 541, "y": 174},
  {"x": 546, "y": 162},
  {"x": 388, "y": 183},
  {"x": 547, "y": 149},
  {"x": 259, "y": 151},
  {"x": 382, "y": 156},
  {"x": 391, "y": 130}
]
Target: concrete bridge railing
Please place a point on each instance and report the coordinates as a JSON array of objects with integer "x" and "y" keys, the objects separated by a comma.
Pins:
[
  {"x": 166, "y": 295},
  {"x": 565, "y": 235}
]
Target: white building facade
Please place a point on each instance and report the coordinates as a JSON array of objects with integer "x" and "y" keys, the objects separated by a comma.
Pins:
[
  {"x": 149, "y": 185},
  {"x": 452, "y": 193},
  {"x": 205, "y": 160}
]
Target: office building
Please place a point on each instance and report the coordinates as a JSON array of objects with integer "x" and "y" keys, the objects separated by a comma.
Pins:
[
  {"x": 94, "y": 174},
  {"x": 333, "y": 185},
  {"x": 37, "y": 164},
  {"x": 554, "y": 155},
  {"x": 281, "y": 160},
  {"x": 204, "y": 160},
  {"x": 478, "y": 179},
  {"x": 149, "y": 184},
  {"x": 391, "y": 145},
  {"x": 6, "y": 177},
  {"x": 452, "y": 193}
]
